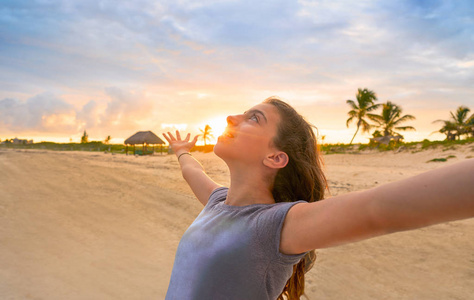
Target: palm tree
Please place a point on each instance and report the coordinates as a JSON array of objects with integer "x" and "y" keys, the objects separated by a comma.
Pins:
[
  {"x": 449, "y": 128},
  {"x": 390, "y": 119},
  {"x": 206, "y": 134},
  {"x": 85, "y": 138},
  {"x": 365, "y": 103},
  {"x": 459, "y": 123},
  {"x": 470, "y": 124},
  {"x": 107, "y": 140}
]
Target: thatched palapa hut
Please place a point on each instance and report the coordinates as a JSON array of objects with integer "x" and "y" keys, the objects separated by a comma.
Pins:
[{"x": 145, "y": 138}]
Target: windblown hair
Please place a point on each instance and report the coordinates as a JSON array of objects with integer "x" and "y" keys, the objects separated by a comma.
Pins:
[{"x": 301, "y": 179}]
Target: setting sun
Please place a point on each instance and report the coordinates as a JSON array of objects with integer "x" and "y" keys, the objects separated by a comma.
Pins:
[{"x": 217, "y": 124}]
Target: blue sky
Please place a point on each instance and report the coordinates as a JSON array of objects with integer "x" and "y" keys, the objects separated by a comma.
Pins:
[{"x": 115, "y": 67}]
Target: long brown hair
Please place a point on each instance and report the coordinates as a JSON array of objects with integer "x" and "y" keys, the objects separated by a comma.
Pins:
[{"x": 301, "y": 179}]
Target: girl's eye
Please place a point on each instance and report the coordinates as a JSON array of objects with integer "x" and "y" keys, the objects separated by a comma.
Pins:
[{"x": 253, "y": 118}]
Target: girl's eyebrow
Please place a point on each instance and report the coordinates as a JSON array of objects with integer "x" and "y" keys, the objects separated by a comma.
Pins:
[{"x": 256, "y": 111}]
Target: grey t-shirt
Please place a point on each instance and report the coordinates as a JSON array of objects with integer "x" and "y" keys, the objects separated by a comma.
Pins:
[{"x": 232, "y": 252}]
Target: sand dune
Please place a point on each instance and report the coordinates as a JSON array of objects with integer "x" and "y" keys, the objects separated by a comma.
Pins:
[{"x": 83, "y": 225}]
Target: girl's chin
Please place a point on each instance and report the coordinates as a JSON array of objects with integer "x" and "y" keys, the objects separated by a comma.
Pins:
[
  {"x": 216, "y": 147},
  {"x": 219, "y": 148}
]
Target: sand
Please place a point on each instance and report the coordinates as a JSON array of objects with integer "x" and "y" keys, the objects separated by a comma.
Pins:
[{"x": 84, "y": 225}]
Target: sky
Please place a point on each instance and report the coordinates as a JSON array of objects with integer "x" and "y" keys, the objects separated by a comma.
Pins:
[{"x": 116, "y": 67}]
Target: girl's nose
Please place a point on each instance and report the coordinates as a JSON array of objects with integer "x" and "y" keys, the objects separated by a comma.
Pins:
[{"x": 232, "y": 120}]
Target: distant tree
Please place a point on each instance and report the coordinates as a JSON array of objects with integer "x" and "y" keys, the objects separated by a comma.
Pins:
[
  {"x": 470, "y": 123},
  {"x": 449, "y": 128},
  {"x": 377, "y": 133},
  {"x": 84, "y": 138},
  {"x": 390, "y": 119},
  {"x": 360, "y": 109},
  {"x": 323, "y": 137},
  {"x": 460, "y": 124},
  {"x": 107, "y": 139},
  {"x": 206, "y": 134}
]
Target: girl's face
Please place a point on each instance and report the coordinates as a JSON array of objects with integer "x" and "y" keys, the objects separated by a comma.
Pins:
[{"x": 248, "y": 136}]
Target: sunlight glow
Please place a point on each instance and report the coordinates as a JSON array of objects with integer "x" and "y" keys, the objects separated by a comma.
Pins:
[
  {"x": 218, "y": 125},
  {"x": 59, "y": 120},
  {"x": 179, "y": 127}
]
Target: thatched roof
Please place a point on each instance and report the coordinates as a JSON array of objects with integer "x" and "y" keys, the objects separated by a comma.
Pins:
[{"x": 143, "y": 137}]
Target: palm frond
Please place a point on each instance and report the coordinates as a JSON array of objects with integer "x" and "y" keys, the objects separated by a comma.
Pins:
[
  {"x": 470, "y": 121},
  {"x": 365, "y": 126},
  {"x": 406, "y": 128},
  {"x": 349, "y": 120},
  {"x": 353, "y": 113},
  {"x": 376, "y": 118},
  {"x": 374, "y": 107},
  {"x": 404, "y": 119},
  {"x": 352, "y": 104}
]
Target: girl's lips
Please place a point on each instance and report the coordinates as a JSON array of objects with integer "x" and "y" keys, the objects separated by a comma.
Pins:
[{"x": 227, "y": 133}]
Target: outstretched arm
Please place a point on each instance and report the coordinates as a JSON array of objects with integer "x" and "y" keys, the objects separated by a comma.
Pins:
[
  {"x": 193, "y": 172},
  {"x": 437, "y": 196}
]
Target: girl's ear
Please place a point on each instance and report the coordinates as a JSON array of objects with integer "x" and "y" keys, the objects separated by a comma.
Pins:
[{"x": 277, "y": 160}]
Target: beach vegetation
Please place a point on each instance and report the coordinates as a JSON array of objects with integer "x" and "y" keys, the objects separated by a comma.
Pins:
[
  {"x": 390, "y": 120},
  {"x": 391, "y": 146},
  {"x": 460, "y": 124},
  {"x": 84, "y": 138},
  {"x": 438, "y": 160},
  {"x": 203, "y": 148},
  {"x": 360, "y": 110},
  {"x": 427, "y": 144},
  {"x": 324, "y": 148},
  {"x": 94, "y": 146},
  {"x": 442, "y": 159},
  {"x": 337, "y": 148}
]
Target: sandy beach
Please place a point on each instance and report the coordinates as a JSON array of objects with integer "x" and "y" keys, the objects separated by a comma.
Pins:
[{"x": 92, "y": 225}]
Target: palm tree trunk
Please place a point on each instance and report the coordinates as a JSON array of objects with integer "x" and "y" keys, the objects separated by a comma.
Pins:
[{"x": 355, "y": 134}]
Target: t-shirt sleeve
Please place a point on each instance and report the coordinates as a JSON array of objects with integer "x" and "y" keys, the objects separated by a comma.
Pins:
[
  {"x": 217, "y": 195},
  {"x": 269, "y": 225}
]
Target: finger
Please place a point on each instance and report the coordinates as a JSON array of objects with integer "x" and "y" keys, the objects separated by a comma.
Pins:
[
  {"x": 171, "y": 136},
  {"x": 195, "y": 139},
  {"x": 178, "y": 136},
  {"x": 187, "y": 137},
  {"x": 169, "y": 141}
]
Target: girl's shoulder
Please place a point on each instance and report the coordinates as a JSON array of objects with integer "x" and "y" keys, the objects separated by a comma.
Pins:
[
  {"x": 269, "y": 228},
  {"x": 276, "y": 213},
  {"x": 217, "y": 195}
]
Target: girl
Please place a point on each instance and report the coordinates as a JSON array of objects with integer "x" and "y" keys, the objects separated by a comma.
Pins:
[{"x": 255, "y": 239}]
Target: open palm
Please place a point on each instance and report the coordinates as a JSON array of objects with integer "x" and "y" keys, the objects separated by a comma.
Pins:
[{"x": 178, "y": 144}]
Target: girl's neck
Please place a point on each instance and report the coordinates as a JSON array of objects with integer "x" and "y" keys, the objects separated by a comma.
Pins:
[{"x": 248, "y": 189}]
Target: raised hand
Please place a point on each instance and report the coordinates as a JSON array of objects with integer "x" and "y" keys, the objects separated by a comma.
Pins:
[{"x": 179, "y": 145}]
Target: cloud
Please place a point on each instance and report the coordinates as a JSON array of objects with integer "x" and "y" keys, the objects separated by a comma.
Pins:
[
  {"x": 133, "y": 60},
  {"x": 89, "y": 115},
  {"x": 126, "y": 109},
  {"x": 114, "y": 43},
  {"x": 44, "y": 112}
]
